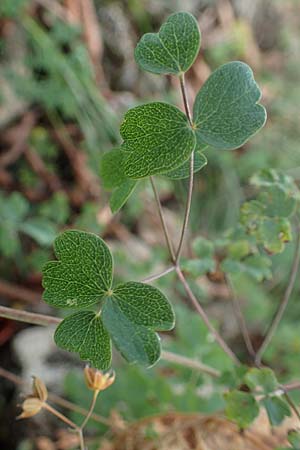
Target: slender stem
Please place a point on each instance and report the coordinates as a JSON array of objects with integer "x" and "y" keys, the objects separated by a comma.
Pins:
[
  {"x": 158, "y": 275},
  {"x": 185, "y": 99},
  {"x": 292, "y": 404},
  {"x": 68, "y": 422},
  {"x": 163, "y": 222},
  {"x": 56, "y": 399},
  {"x": 27, "y": 317},
  {"x": 204, "y": 317},
  {"x": 60, "y": 416},
  {"x": 241, "y": 318},
  {"x": 191, "y": 174},
  {"x": 187, "y": 362},
  {"x": 284, "y": 302},
  {"x": 91, "y": 409},
  {"x": 187, "y": 209},
  {"x": 44, "y": 320}
]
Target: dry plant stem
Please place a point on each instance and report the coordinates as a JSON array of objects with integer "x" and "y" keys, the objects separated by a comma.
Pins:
[
  {"x": 204, "y": 317},
  {"x": 60, "y": 416},
  {"x": 163, "y": 222},
  {"x": 284, "y": 302},
  {"x": 56, "y": 399},
  {"x": 240, "y": 318},
  {"x": 91, "y": 409},
  {"x": 44, "y": 320}
]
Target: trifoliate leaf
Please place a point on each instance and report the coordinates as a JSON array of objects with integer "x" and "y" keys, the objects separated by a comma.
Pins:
[
  {"x": 130, "y": 315},
  {"x": 136, "y": 343},
  {"x": 226, "y": 109},
  {"x": 111, "y": 169},
  {"x": 157, "y": 139},
  {"x": 277, "y": 409},
  {"x": 183, "y": 171},
  {"x": 278, "y": 203},
  {"x": 121, "y": 194},
  {"x": 82, "y": 274},
  {"x": 84, "y": 333},
  {"x": 241, "y": 407},
  {"x": 173, "y": 49},
  {"x": 264, "y": 379}
]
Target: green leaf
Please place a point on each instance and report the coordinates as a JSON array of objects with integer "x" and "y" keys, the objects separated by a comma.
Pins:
[
  {"x": 274, "y": 234},
  {"x": 257, "y": 266},
  {"x": 121, "y": 194},
  {"x": 131, "y": 315},
  {"x": 203, "y": 248},
  {"x": 144, "y": 305},
  {"x": 157, "y": 139},
  {"x": 83, "y": 273},
  {"x": 111, "y": 169},
  {"x": 241, "y": 407},
  {"x": 263, "y": 378},
  {"x": 40, "y": 229},
  {"x": 294, "y": 439},
  {"x": 277, "y": 409},
  {"x": 183, "y": 171},
  {"x": 136, "y": 343},
  {"x": 226, "y": 109},
  {"x": 173, "y": 49},
  {"x": 84, "y": 333},
  {"x": 198, "y": 267}
]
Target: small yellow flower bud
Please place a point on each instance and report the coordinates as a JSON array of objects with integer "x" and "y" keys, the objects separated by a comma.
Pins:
[
  {"x": 31, "y": 406},
  {"x": 97, "y": 380},
  {"x": 39, "y": 389}
]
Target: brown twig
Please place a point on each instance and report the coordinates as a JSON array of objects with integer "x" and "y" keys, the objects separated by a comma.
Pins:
[
  {"x": 19, "y": 145},
  {"x": 13, "y": 292}
]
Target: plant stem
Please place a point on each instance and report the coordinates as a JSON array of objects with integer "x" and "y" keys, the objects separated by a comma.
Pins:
[
  {"x": 91, "y": 409},
  {"x": 240, "y": 318},
  {"x": 205, "y": 318},
  {"x": 27, "y": 317},
  {"x": 284, "y": 302},
  {"x": 60, "y": 416},
  {"x": 187, "y": 362},
  {"x": 163, "y": 222},
  {"x": 191, "y": 174},
  {"x": 185, "y": 99},
  {"x": 187, "y": 209},
  {"x": 56, "y": 399},
  {"x": 158, "y": 275},
  {"x": 44, "y": 320},
  {"x": 292, "y": 404}
]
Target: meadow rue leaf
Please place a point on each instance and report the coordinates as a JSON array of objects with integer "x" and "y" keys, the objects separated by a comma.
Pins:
[
  {"x": 173, "y": 49},
  {"x": 183, "y": 171},
  {"x": 261, "y": 378},
  {"x": 257, "y": 266},
  {"x": 121, "y": 194},
  {"x": 131, "y": 314},
  {"x": 241, "y": 407},
  {"x": 82, "y": 274},
  {"x": 136, "y": 343},
  {"x": 111, "y": 169},
  {"x": 84, "y": 333},
  {"x": 40, "y": 229},
  {"x": 277, "y": 409},
  {"x": 226, "y": 109},
  {"x": 157, "y": 139}
]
